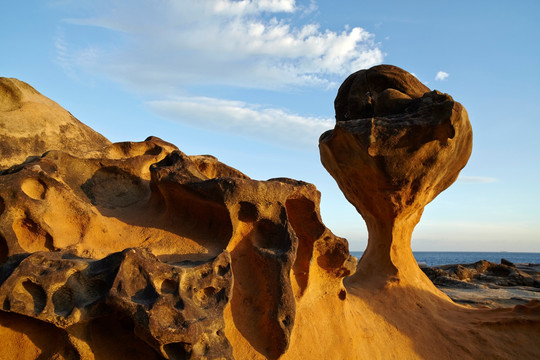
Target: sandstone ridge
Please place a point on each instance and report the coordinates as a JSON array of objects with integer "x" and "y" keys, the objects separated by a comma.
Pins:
[
  {"x": 31, "y": 124},
  {"x": 135, "y": 250}
]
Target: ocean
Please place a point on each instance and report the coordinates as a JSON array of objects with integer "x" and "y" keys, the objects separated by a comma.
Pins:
[{"x": 434, "y": 258}]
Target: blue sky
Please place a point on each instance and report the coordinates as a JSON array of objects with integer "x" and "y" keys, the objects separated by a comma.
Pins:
[{"x": 253, "y": 83}]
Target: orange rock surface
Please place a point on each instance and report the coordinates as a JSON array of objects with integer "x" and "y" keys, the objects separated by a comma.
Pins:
[
  {"x": 31, "y": 124},
  {"x": 396, "y": 146},
  {"x": 136, "y": 250}
]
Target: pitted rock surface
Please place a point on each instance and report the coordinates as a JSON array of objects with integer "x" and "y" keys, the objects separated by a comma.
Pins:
[
  {"x": 176, "y": 310},
  {"x": 70, "y": 210},
  {"x": 136, "y": 250}
]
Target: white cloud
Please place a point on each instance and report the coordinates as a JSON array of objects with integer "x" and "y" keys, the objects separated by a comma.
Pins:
[
  {"x": 263, "y": 123},
  {"x": 476, "y": 179},
  {"x": 62, "y": 55},
  {"x": 252, "y": 7},
  {"x": 441, "y": 75},
  {"x": 252, "y": 44},
  {"x": 170, "y": 49}
]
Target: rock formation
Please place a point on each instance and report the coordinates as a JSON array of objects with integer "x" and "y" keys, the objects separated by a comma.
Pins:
[
  {"x": 396, "y": 146},
  {"x": 135, "y": 250},
  {"x": 177, "y": 311},
  {"x": 192, "y": 222},
  {"x": 31, "y": 124},
  {"x": 488, "y": 284}
]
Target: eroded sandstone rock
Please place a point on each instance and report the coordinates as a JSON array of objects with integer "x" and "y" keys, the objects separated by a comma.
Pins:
[
  {"x": 31, "y": 124},
  {"x": 139, "y": 251},
  {"x": 396, "y": 145},
  {"x": 65, "y": 213},
  {"x": 151, "y": 195},
  {"x": 483, "y": 272},
  {"x": 176, "y": 310}
]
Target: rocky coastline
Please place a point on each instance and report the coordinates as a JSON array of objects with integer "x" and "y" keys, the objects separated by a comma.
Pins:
[
  {"x": 488, "y": 284},
  {"x": 136, "y": 250}
]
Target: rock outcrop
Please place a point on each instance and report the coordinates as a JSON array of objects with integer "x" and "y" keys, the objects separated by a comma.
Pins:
[
  {"x": 488, "y": 284},
  {"x": 70, "y": 219},
  {"x": 395, "y": 147},
  {"x": 135, "y": 250},
  {"x": 176, "y": 311},
  {"x": 31, "y": 124}
]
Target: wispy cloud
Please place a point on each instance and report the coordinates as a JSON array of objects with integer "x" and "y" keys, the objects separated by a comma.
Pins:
[
  {"x": 476, "y": 179},
  {"x": 62, "y": 54},
  {"x": 442, "y": 75},
  {"x": 169, "y": 48},
  {"x": 262, "y": 123},
  {"x": 252, "y": 44}
]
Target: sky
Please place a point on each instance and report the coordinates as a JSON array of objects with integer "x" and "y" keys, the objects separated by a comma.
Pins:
[{"x": 253, "y": 83}]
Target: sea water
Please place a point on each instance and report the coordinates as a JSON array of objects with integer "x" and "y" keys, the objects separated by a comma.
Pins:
[{"x": 434, "y": 258}]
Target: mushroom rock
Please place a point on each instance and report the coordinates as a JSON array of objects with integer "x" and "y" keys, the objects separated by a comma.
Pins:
[
  {"x": 31, "y": 124},
  {"x": 396, "y": 145}
]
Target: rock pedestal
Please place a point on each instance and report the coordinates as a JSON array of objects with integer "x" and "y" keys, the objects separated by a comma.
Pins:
[{"x": 396, "y": 145}]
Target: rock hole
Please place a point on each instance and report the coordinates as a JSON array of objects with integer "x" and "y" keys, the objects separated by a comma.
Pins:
[
  {"x": 119, "y": 287},
  {"x": 248, "y": 212},
  {"x": 153, "y": 151},
  {"x": 210, "y": 297},
  {"x": 204, "y": 296},
  {"x": 286, "y": 321},
  {"x": 205, "y": 273},
  {"x": 112, "y": 187},
  {"x": 169, "y": 287},
  {"x": 270, "y": 235},
  {"x": 49, "y": 242},
  {"x": 6, "y": 306},
  {"x": 222, "y": 270},
  {"x": 333, "y": 256},
  {"x": 305, "y": 221},
  {"x": 178, "y": 351},
  {"x": 209, "y": 291},
  {"x": 202, "y": 217},
  {"x": 4, "y": 250},
  {"x": 415, "y": 187},
  {"x": 63, "y": 301},
  {"x": 179, "y": 305},
  {"x": 34, "y": 188},
  {"x": 31, "y": 236},
  {"x": 38, "y": 295},
  {"x": 146, "y": 296},
  {"x": 342, "y": 294},
  {"x": 2, "y": 206}
]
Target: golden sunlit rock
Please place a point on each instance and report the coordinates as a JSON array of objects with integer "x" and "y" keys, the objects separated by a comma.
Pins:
[
  {"x": 31, "y": 124},
  {"x": 396, "y": 145},
  {"x": 135, "y": 250}
]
